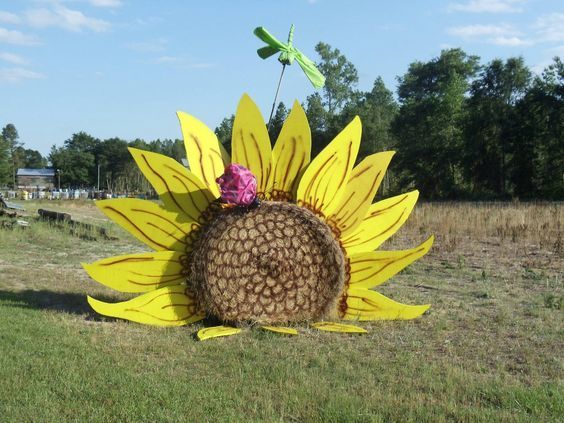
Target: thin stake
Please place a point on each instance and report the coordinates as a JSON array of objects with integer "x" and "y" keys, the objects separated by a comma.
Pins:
[{"x": 276, "y": 97}]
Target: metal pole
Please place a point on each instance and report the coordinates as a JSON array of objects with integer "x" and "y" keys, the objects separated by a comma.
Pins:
[
  {"x": 275, "y": 97},
  {"x": 98, "y": 177}
]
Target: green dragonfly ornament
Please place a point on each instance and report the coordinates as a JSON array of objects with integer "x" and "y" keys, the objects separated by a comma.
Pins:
[{"x": 288, "y": 53}]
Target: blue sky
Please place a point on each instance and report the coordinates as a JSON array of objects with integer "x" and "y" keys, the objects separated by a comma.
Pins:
[{"x": 123, "y": 67}]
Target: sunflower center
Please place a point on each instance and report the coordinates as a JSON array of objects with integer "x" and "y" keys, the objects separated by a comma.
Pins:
[{"x": 273, "y": 263}]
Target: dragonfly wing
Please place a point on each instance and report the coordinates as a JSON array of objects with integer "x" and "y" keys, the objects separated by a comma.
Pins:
[
  {"x": 308, "y": 66},
  {"x": 268, "y": 38},
  {"x": 266, "y": 52}
]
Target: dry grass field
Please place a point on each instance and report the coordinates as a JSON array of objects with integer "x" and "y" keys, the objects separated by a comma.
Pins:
[{"x": 489, "y": 349}]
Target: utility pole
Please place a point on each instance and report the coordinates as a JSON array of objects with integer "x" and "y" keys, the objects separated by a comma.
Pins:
[{"x": 98, "y": 177}]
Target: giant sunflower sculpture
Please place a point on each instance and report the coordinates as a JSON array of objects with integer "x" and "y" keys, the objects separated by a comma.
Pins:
[{"x": 303, "y": 252}]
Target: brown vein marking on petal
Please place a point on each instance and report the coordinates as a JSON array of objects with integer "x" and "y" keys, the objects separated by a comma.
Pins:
[
  {"x": 343, "y": 177},
  {"x": 170, "y": 234},
  {"x": 380, "y": 211},
  {"x": 293, "y": 148},
  {"x": 344, "y": 202},
  {"x": 164, "y": 247},
  {"x": 351, "y": 213},
  {"x": 174, "y": 304},
  {"x": 135, "y": 282},
  {"x": 168, "y": 305},
  {"x": 344, "y": 174},
  {"x": 289, "y": 162},
  {"x": 243, "y": 147},
  {"x": 216, "y": 152},
  {"x": 275, "y": 183},
  {"x": 135, "y": 260},
  {"x": 326, "y": 185},
  {"x": 200, "y": 158},
  {"x": 163, "y": 180},
  {"x": 390, "y": 262},
  {"x": 353, "y": 241},
  {"x": 371, "y": 306},
  {"x": 150, "y": 300},
  {"x": 181, "y": 177},
  {"x": 160, "y": 275},
  {"x": 262, "y": 165},
  {"x": 312, "y": 180},
  {"x": 214, "y": 170},
  {"x": 296, "y": 180},
  {"x": 157, "y": 317}
]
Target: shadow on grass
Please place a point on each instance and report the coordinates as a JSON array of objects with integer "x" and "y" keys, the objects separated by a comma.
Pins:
[
  {"x": 48, "y": 300},
  {"x": 67, "y": 302}
]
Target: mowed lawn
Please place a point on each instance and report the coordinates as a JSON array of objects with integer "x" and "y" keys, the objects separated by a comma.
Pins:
[{"x": 489, "y": 349}]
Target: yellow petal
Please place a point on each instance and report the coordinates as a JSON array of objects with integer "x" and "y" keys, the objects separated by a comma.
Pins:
[
  {"x": 250, "y": 143},
  {"x": 216, "y": 331},
  {"x": 324, "y": 181},
  {"x": 148, "y": 222},
  {"x": 363, "y": 304},
  {"x": 180, "y": 190},
  {"x": 338, "y": 327},
  {"x": 205, "y": 154},
  {"x": 169, "y": 306},
  {"x": 291, "y": 153},
  {"x": 280, "y": 329},
  {"x": 138, "y": 272},
  {"x": 375, "y": 267},
  {"x": 359, "y": 192},
  {"x": 383, "y": 219}
]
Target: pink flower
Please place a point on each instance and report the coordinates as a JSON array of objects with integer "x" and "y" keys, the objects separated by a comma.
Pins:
[{"x": 237, "y": 185}]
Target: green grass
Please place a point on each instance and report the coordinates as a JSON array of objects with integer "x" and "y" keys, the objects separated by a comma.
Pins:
[{"x": 490, "y": 349}]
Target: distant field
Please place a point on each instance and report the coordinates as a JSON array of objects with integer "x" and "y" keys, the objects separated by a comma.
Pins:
[{"x": 490, "y": 348}]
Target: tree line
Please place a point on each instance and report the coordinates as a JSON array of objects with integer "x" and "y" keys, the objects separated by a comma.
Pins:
[{"x": 461, "y": 129}]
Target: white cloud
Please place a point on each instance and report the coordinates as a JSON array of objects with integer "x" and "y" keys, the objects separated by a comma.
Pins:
[
  {"x": 62, "y": 17},
  {"x": 105, "y": 3},
  {"x": 9, "y": 18},
  {"x": 509, "y": 41},
  {"x": 500, "y": 35},
  {"x": 550, "y": 27},
  {"x": 16, "y": 37},
  {"x": 13, "y": 58},
  {"x": 475, "y": 31},
  {"x": 540, "y": 67},
  {"x": 488, "y": 6},
  {"x": 150, "y": 46},
  {"x": 13, "y": 75}
]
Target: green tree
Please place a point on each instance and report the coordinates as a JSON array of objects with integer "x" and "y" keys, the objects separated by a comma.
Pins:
[
  {"x": 491, "y": 125},
  {"x": 76, "y": 161},
  {"x": 536, "y": 166},
  {"x": 377, "y": 110},
  {"x": 169, "y": 148},
  {"x": 428, "y": 127},
  {"x": 113, "y": 157},
  {"x": 341, "y": 78},
  {"x": 11, "y": 137},
  {"x": 224, "y": 130},
  {"x": 5, "y": 174},
  {"x": 277, "y": 122},
  {"x": 318, "y": 122},
  {"x": 324, "y": 110},
  {"x": 30, "y": 159}
]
